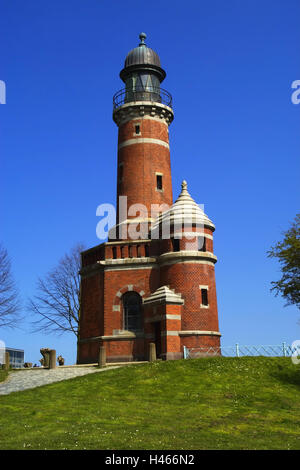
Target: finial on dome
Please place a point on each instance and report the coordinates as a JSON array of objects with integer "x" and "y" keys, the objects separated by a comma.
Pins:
[
  {"x": 142, "y": 38},
  {"x": 184, "y": 185}
]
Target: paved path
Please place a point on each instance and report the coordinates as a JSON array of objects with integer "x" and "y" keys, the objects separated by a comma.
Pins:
[{"x": 24, "y": 379}]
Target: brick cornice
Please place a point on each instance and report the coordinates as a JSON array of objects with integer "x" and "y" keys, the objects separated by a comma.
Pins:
[
  {"x": 187, "y": 256},
  {"x": 198, "y": 333},
  {"x": 139, "y": 109}
]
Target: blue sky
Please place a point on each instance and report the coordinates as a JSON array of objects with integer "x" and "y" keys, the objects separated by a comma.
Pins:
[{"x": 235, "y": 139}]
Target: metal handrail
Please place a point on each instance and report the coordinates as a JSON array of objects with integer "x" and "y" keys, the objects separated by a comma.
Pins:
[{"x": 153, "y": 94}]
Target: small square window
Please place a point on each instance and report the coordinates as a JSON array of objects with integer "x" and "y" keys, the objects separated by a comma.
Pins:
[
  {"x": 159, "y": 182},
  {"x": 204, "y": 297},
  {"x": 201, "y": 244}
]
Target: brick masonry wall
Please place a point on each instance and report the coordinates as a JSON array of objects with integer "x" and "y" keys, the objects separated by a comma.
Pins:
[
  {"x": 140, "y": 163},
  {"x": 185, "y": 278},
  {"x": 92, "y": 294},
  {"x": 117, "y": 282},
  {"x": 200, "y": 341}
]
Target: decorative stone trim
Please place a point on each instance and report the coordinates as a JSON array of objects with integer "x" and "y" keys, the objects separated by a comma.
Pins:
[
  {"x": 122, "y": 261},
  {"x": 143, "y": 140},
  {"x": 181, "y": 261},
  {"x": 164, "y": 295},
  {"x": 169, "y": 333},
  {"x": 128, "y": 263},
  {"x": 131, "y": 268},
  {"x": 138, "y": 109},
  {"x": 126, "y": 335},
  {"x": 162, "y": 317},
  {"x": 199, "y": 333},
  {"x": 118, "y": 337},
  {"x": 186, "y": 255},
  {"x": 128, "y": 242},
  {"x": 127, "y": 288}
]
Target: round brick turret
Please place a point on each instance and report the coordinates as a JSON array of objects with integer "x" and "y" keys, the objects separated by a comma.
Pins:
[{"x": 187, "y": 266}]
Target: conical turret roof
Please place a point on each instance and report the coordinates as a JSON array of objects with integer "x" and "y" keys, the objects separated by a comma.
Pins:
[{"x": 185, "y": 211}]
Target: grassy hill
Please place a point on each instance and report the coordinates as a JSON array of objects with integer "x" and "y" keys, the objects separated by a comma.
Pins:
[{"x": 211, "y": 403}]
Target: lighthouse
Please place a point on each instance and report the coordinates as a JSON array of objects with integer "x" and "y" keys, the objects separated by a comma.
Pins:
[{"x": 153, "y": 280}]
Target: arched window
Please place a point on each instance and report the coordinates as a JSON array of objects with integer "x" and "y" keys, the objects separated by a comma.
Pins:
[{"x": 132, "y": 308}]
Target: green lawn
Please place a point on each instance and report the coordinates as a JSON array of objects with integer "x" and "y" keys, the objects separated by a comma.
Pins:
[{"x": 212, "y": 403}]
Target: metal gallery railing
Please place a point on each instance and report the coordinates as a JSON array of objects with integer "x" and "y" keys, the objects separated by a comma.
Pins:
[
  {"x": 277, "y": 350},
  {"x": 154, "y": 94}
]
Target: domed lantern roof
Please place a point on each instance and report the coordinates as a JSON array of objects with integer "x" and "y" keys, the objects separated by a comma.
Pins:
[
  {"x": 142, "y": 58},
  {"x": 142, "y": 54}
]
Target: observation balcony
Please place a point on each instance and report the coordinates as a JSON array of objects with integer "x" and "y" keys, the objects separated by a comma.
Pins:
[{"x": 151, "y": 94}]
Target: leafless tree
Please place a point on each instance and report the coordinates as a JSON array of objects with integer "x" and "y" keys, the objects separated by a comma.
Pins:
[
  {"x": 56, "y": 304},
  {"x": 10, "y": 304}
]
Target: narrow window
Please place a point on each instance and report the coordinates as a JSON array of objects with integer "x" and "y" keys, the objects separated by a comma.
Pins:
[
  {"x": 122, "y": 252},
  {"x": 159, "y": 182},
  {"x": 130, "y": 251},
  {"x": 204, "y": 297},
  {"x": 201, "y": 244},
  {"x": 114, "y": 250},
  {"x": 146, "y": 250},
  {"x": 132, "y": 309},
  {"x": 176, "y": 244},
  {"x": 137, "y": 129},
  {"x": 138, "y": 249}
]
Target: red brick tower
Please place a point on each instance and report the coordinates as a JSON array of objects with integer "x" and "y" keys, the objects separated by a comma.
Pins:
[
  {"x": 154, "y": 279},
  {"x": 143, "y": 113}
]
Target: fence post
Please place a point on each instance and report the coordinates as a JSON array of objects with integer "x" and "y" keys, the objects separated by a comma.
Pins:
[
  {"x": 237, "y": 349},
  {"x": 52, "y": 359},
  {"x": 152, "y": 352},
  {"x": 6, "y": 367},
  {"x": 284, "y": 348},
  {"x": 102, "y": 357}
]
